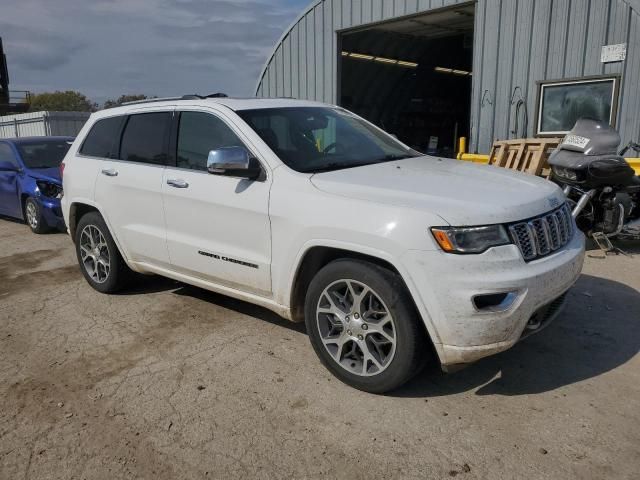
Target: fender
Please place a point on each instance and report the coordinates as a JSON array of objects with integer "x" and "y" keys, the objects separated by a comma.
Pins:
[
  {"x": 365, "y": 250},
  {"x": 90, "y": 203}
]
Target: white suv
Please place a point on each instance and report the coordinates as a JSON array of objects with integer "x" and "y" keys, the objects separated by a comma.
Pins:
[{"x": 312, "y": 212}]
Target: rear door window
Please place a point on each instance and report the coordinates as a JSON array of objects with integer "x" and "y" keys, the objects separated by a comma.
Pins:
[
  {"x": 145, "y": 138},
  {"x": 102, "y": 141}
]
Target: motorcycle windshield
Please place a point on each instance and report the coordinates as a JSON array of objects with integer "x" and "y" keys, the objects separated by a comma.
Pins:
[{"x": 591, "y": 137}]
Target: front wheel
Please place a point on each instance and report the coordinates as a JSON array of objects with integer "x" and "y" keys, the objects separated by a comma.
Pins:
[
  {"x": 33, "y": 217},
  {"x": 363, "y": 325}
]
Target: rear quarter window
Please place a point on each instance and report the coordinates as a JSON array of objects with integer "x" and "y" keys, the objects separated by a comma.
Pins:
[{"x": 103, "y": 138}]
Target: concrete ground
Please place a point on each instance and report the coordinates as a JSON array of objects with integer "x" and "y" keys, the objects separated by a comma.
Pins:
[{"x": 169, "y": 381}]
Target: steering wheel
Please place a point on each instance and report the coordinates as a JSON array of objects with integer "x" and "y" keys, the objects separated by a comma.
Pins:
[{"x": 330, "y": 147}]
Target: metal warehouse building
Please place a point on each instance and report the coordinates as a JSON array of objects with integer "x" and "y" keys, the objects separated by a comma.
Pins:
[{"x": 431, "y": 71}]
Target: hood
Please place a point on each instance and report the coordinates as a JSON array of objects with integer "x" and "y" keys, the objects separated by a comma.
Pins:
[
  {"x": 461, "y": 193},
  {"x": 51, "y": 174}
]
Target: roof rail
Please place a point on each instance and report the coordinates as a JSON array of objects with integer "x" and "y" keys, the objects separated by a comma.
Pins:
[
  {"x": 195, "y": 96},
  {"x": 152, "y": 100},
  {"x": 183, "y": 97}
]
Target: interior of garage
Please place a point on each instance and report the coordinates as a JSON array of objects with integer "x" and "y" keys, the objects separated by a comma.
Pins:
[{"x": 412, "y": 77}]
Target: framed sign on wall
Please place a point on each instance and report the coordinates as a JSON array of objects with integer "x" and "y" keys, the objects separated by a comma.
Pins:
[{"x": 562, "y": 102}]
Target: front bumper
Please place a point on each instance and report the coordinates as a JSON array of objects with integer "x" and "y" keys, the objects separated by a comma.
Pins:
[
  {"x": 51, "y": 212},
  {"x": 446, "y": 284}
]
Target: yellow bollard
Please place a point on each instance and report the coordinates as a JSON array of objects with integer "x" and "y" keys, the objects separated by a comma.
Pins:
[{"x": 462, "y": 147}]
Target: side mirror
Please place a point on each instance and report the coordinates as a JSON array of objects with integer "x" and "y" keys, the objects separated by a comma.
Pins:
[
  {"x": 7, "y": 166},
  {"x": 233, "y": 162}
]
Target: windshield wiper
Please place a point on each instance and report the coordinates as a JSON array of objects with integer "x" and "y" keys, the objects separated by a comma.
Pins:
[
  {"x": 391, "y": 158},
  {"x": 342, "y": 165},
  {"x": 337, "y": 166}
]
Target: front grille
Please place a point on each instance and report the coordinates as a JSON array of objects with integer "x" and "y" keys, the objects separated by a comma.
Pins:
[
  {"x": 543, "y": 235},
  {"x": 544, "y": 315},
  {"x": 553, "y": 307}
]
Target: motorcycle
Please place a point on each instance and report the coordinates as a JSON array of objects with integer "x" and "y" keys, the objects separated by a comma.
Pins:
[{"x": 601, "y": 187}]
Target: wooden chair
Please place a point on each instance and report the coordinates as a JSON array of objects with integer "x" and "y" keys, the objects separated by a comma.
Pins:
[{"x": 527, "y": 155}]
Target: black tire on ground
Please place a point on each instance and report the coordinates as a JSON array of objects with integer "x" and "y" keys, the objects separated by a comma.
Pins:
[
  {"x": 33, "y": 217},
  {"x": 412, "y": 348},
  {"x": 119, "y": 273}
]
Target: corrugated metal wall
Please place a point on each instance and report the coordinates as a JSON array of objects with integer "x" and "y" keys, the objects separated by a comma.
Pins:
[
  {"x": 520, "y": 42},
  {"x": 39, "y": 124},
  {"x": 516, "y": 44},
  {"x": 305, "y": 61}
]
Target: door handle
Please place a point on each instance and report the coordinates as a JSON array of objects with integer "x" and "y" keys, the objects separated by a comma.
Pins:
[
  {"x": 178, "y": 183},
  {"x": 110, "y": 172}
]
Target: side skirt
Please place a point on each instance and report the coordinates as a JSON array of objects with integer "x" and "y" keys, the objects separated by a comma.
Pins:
[{"x": 283, "y": 311}]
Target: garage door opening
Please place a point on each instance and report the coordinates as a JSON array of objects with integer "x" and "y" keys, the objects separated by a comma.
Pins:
[{"x": 412, "y": 77}]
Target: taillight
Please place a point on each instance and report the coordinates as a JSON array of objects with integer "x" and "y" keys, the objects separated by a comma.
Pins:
[{"x": 61, "y": 170}]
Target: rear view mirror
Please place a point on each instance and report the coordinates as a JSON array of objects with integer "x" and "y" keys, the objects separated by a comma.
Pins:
[
  {"x": 234, "y": 162},
  {"x": 317, "y": 122},
  {"x": 7, "y": 166}
]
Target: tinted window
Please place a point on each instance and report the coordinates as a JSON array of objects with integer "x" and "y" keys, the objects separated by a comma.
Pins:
[
  {"x": 102, "y": 140},
  {"x": 44, "y": 154},
  {"x": 144, "y": 138},
  {"x": 6, "y": 154},
  {"x": 199, "y": 133}
]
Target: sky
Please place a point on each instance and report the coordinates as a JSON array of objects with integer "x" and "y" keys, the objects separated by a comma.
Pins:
[{"x": 105, "y": 48}]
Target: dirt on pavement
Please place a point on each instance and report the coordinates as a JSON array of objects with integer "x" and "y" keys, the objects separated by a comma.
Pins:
[{"x": 167, "y": 381}]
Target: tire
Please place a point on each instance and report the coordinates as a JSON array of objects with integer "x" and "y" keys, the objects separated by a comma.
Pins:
[
  {"x": 33, "y": 217},
  {"x": 383, "y": 321},
  {"x": 99, "y": 258}
]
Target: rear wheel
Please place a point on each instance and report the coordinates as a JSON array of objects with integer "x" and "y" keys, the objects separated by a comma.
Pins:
[
  {"x": 362, "y": 324},
  {"x": 100, "y": 261},
  {"x": 33, "y": 217}
]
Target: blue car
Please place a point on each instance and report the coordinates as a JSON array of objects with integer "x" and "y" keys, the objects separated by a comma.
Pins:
[{"x": 30, "y": 180}]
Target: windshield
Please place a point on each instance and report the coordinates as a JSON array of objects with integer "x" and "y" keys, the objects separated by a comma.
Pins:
[
  {"x": 320, "y": 139},
  {"x": 43, "y": 153}
]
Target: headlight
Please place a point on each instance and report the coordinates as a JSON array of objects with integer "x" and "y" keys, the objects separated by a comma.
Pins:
[
  {"x": 470, "y": 239},
  {"x": 49, "y": 189},
  {"x": 565, "y": 173}
]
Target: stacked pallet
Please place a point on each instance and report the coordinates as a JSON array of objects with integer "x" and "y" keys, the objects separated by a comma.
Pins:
[{"x": 529, "y": 155}]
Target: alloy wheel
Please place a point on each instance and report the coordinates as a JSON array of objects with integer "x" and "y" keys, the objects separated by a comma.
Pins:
[
  {"x": 32, "y": 215},
  {"x": 94, "y": 253},
  {"x": 356, "y": 327}
]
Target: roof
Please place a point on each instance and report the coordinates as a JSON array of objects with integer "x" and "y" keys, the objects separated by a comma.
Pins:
[
  {"x": 257, "y": 103},
  {"x": 235, "y": 104},
  {"x": 27, "y": 140}
]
